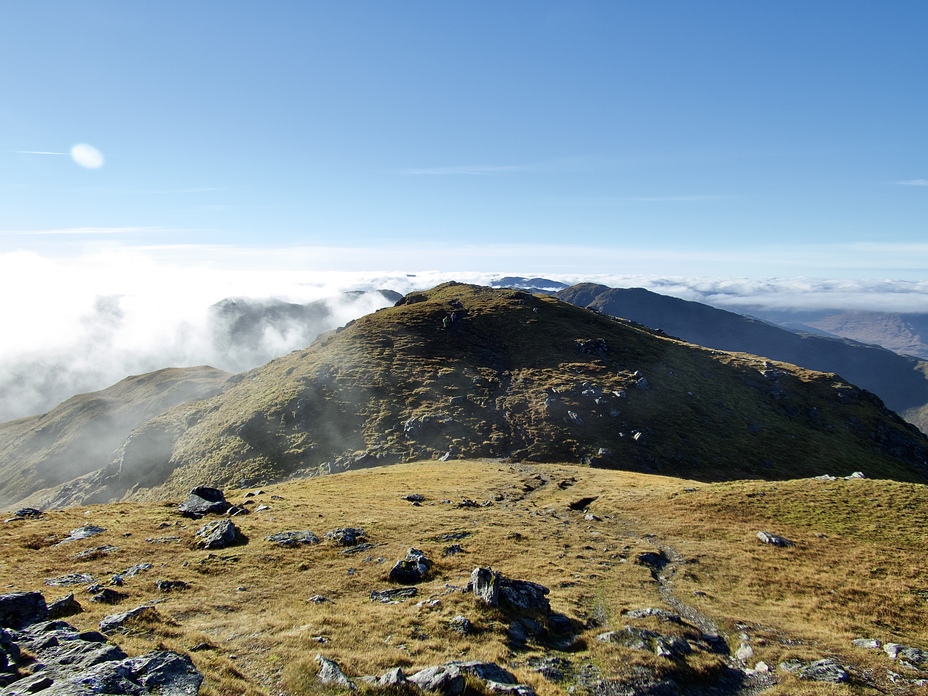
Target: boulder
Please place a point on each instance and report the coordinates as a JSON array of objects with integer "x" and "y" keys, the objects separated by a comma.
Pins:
[
  {"x": 218, "y": 535},
  {"x": 65, "y": 606},
  {"x": 447, "y": 680},
  {"x": 204, "y": 500},
  {"x": 484, "y": 583},
  {"x": 20, "y": 609},
  {"x": 331, "y": 673},
  {"x": 84, "y": 532},
  {"x": 774, "y": 540},
  {"x": 823, "y": 671},
  {"x": 117, "y": 622},
  {"x": 293, "y": 538},
  {"x": 524, "y": 596},
  {"x": 411, "y": 569}
]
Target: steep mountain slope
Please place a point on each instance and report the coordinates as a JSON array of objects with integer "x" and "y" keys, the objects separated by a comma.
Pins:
[
  {"x": 468, "y": 371},
  {"x": 83, "y": 433},
  {"x": 900, "y": 381}
]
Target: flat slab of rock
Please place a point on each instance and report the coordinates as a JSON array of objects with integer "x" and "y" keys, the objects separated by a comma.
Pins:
[
  {"x": 396, "y": 595},
  {"x": 293, "y": 538},
  {"x": 85, "y": 532},
  {"x": 346, "y": 536},
  {"x": 118, "y": 622}
]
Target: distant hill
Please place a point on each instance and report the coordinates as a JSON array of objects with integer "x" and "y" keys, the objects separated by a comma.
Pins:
[
  {"x": 468, "y": 371},
  {"x": 83, "y": 433},
  {"x": 900, "y": 381}
]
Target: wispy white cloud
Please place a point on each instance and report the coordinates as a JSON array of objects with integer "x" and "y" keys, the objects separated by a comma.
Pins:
[
  {"x": 39, "y": 152},
  {"x": 473, "y": 170},
  {"x": 84, "y": 231},
  {"x": 913, "y": 182}
]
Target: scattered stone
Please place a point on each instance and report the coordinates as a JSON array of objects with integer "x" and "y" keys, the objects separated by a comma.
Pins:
[
  {"x": 447, "y": 680},
  {"x": 855, "y": 475},
  {"x": 360, "y": 548},
  {"x": 643, "y": 639},
  {"x": 395, "y": 595},
  {"x": 319, "y": 599},
  {"x": 654, "y": 561},
  {"x": 660, "y": 614},
  {"x": 868, "y": 643},
  {"x": 293, "y": 538},
  {"x": 774, "y": 540},
  {"x": 108, "y": 596},
  {"x": 84, "y": 532},
  {"x": 411, "y": 569},
  {"x": 826, "y": 477},
  {"x": 461, "y": 624},
  {"x": 95, "y": 552},
  {"x": 117, "y": 622},
  {"x": 170, "y": 585},
  {"x": 915, "y": 656},
  {"x": 70, "y": 579},
  {"x": 26, "y": 513},
  {"x": 65, "y": 606},
  {"x": 331, "y": 673},
  {"x": 136, "y": 569},
  {"x": 762, "y": 668},
  {"x": 452, "y": 550},
  {"x": 493, "y": 589},
  {"x": 21, "y": 609},
  {"x": 414, "y": 497},
  {"x": 204, "y": 500},
  {"x": 218, "y": 534},
  {"x": 346, "y": 536},
  {"x": 744, "y": 652},
  {"x": 823, "y": 671}
]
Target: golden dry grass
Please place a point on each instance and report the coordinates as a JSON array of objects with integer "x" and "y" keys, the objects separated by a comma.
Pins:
[{"x": 247, "y": 621}]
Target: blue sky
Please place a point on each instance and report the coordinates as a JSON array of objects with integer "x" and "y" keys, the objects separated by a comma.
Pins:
[{"x": 707, "y": 139}]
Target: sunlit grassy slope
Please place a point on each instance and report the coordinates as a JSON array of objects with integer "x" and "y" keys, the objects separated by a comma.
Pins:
[{"x": 858, "y": 570}]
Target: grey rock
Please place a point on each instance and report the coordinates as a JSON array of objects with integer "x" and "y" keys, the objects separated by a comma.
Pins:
[
  {"x": 117, "y": 622},
  {"x": 165, "y": 673},
  {"x": 485, "y": 671},
  {"x": 387, "y": 596},
  {"x": 774, "y": 539},
  {"x": 293, "y": 538},
  {"x": 64, "y": 606},
  {"x": 84, "y": 532},
  {"x": 744, "y": 652},
  {"x": 346, "y": 536},
  {"x": 331, "y": 673},
  {"x": 19, "y": 609},
  {"x": 868, "y": 643},
  {"x": 855, "y": 475},
  {"x": 462, "y": 625},
  {"x": 27, "y": 513},
  {"x": 411, "y": 569},
  {"x": 204, "y": 500},
  {"x": 218, "y": 534},
  {"x": 447, "y": 680},
  {"x": 912, "y": 655},
  {"x": 823, "y": 671},
  {"x": 170, "y": 585},
  {"x": 661, "y": 614},
  {"x": 524, "y": 596},
  {"x": 108, "y": 595},
  {"x": 70, "y": 579},
  {"x": 484, "y": 583},
  {"x": 650, "y": 641}
]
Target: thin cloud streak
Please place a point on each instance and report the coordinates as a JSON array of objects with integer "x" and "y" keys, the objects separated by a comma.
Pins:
[
  {"x": 39, "y": 152},
  {"x": 85, "y": 231},
  {"x": 913, "y": 182}
]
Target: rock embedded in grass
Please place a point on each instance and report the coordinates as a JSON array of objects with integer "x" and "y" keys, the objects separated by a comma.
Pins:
[
  {"x": 218, "y": 535},
  {"x": 293, "y": 538},
  {"x": 346, "y": 536},
  {"x": 204, "y": 500},
  {"x": 411, "y": 569},
  {"x": 775, "y": 540}
]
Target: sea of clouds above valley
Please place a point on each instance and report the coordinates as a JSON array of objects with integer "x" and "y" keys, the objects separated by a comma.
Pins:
[{"x": 81, "y": 324}]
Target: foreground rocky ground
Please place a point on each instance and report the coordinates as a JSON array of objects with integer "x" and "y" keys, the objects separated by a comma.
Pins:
[{"x": 475, "y": 577}]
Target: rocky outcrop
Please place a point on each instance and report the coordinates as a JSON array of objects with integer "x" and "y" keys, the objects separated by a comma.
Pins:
[
  {"x": 65, "y": 662},
  {"x": 411, "y": 569},
  {"x": 219, "y": 534},
  {"x": 204, "y": 500}
]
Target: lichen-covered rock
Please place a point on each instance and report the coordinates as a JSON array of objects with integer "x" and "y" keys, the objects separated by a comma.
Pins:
[
  {"x": 293, "y": 538},
  {"x": 346, "y": 536},
  {"x": 218, "y": 535},
  {"x": 774, "y": 539},
  {"x": 331, "y": 673}
]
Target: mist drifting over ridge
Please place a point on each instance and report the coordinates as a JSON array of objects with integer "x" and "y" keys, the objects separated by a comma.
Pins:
[{"x": 124, "y": 312}]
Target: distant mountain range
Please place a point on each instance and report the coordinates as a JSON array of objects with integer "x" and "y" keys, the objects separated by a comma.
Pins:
[{"x": 465, "y": 371}]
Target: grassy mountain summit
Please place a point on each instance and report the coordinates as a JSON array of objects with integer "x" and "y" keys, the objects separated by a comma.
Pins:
[{"x": 469, "y": 371}]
